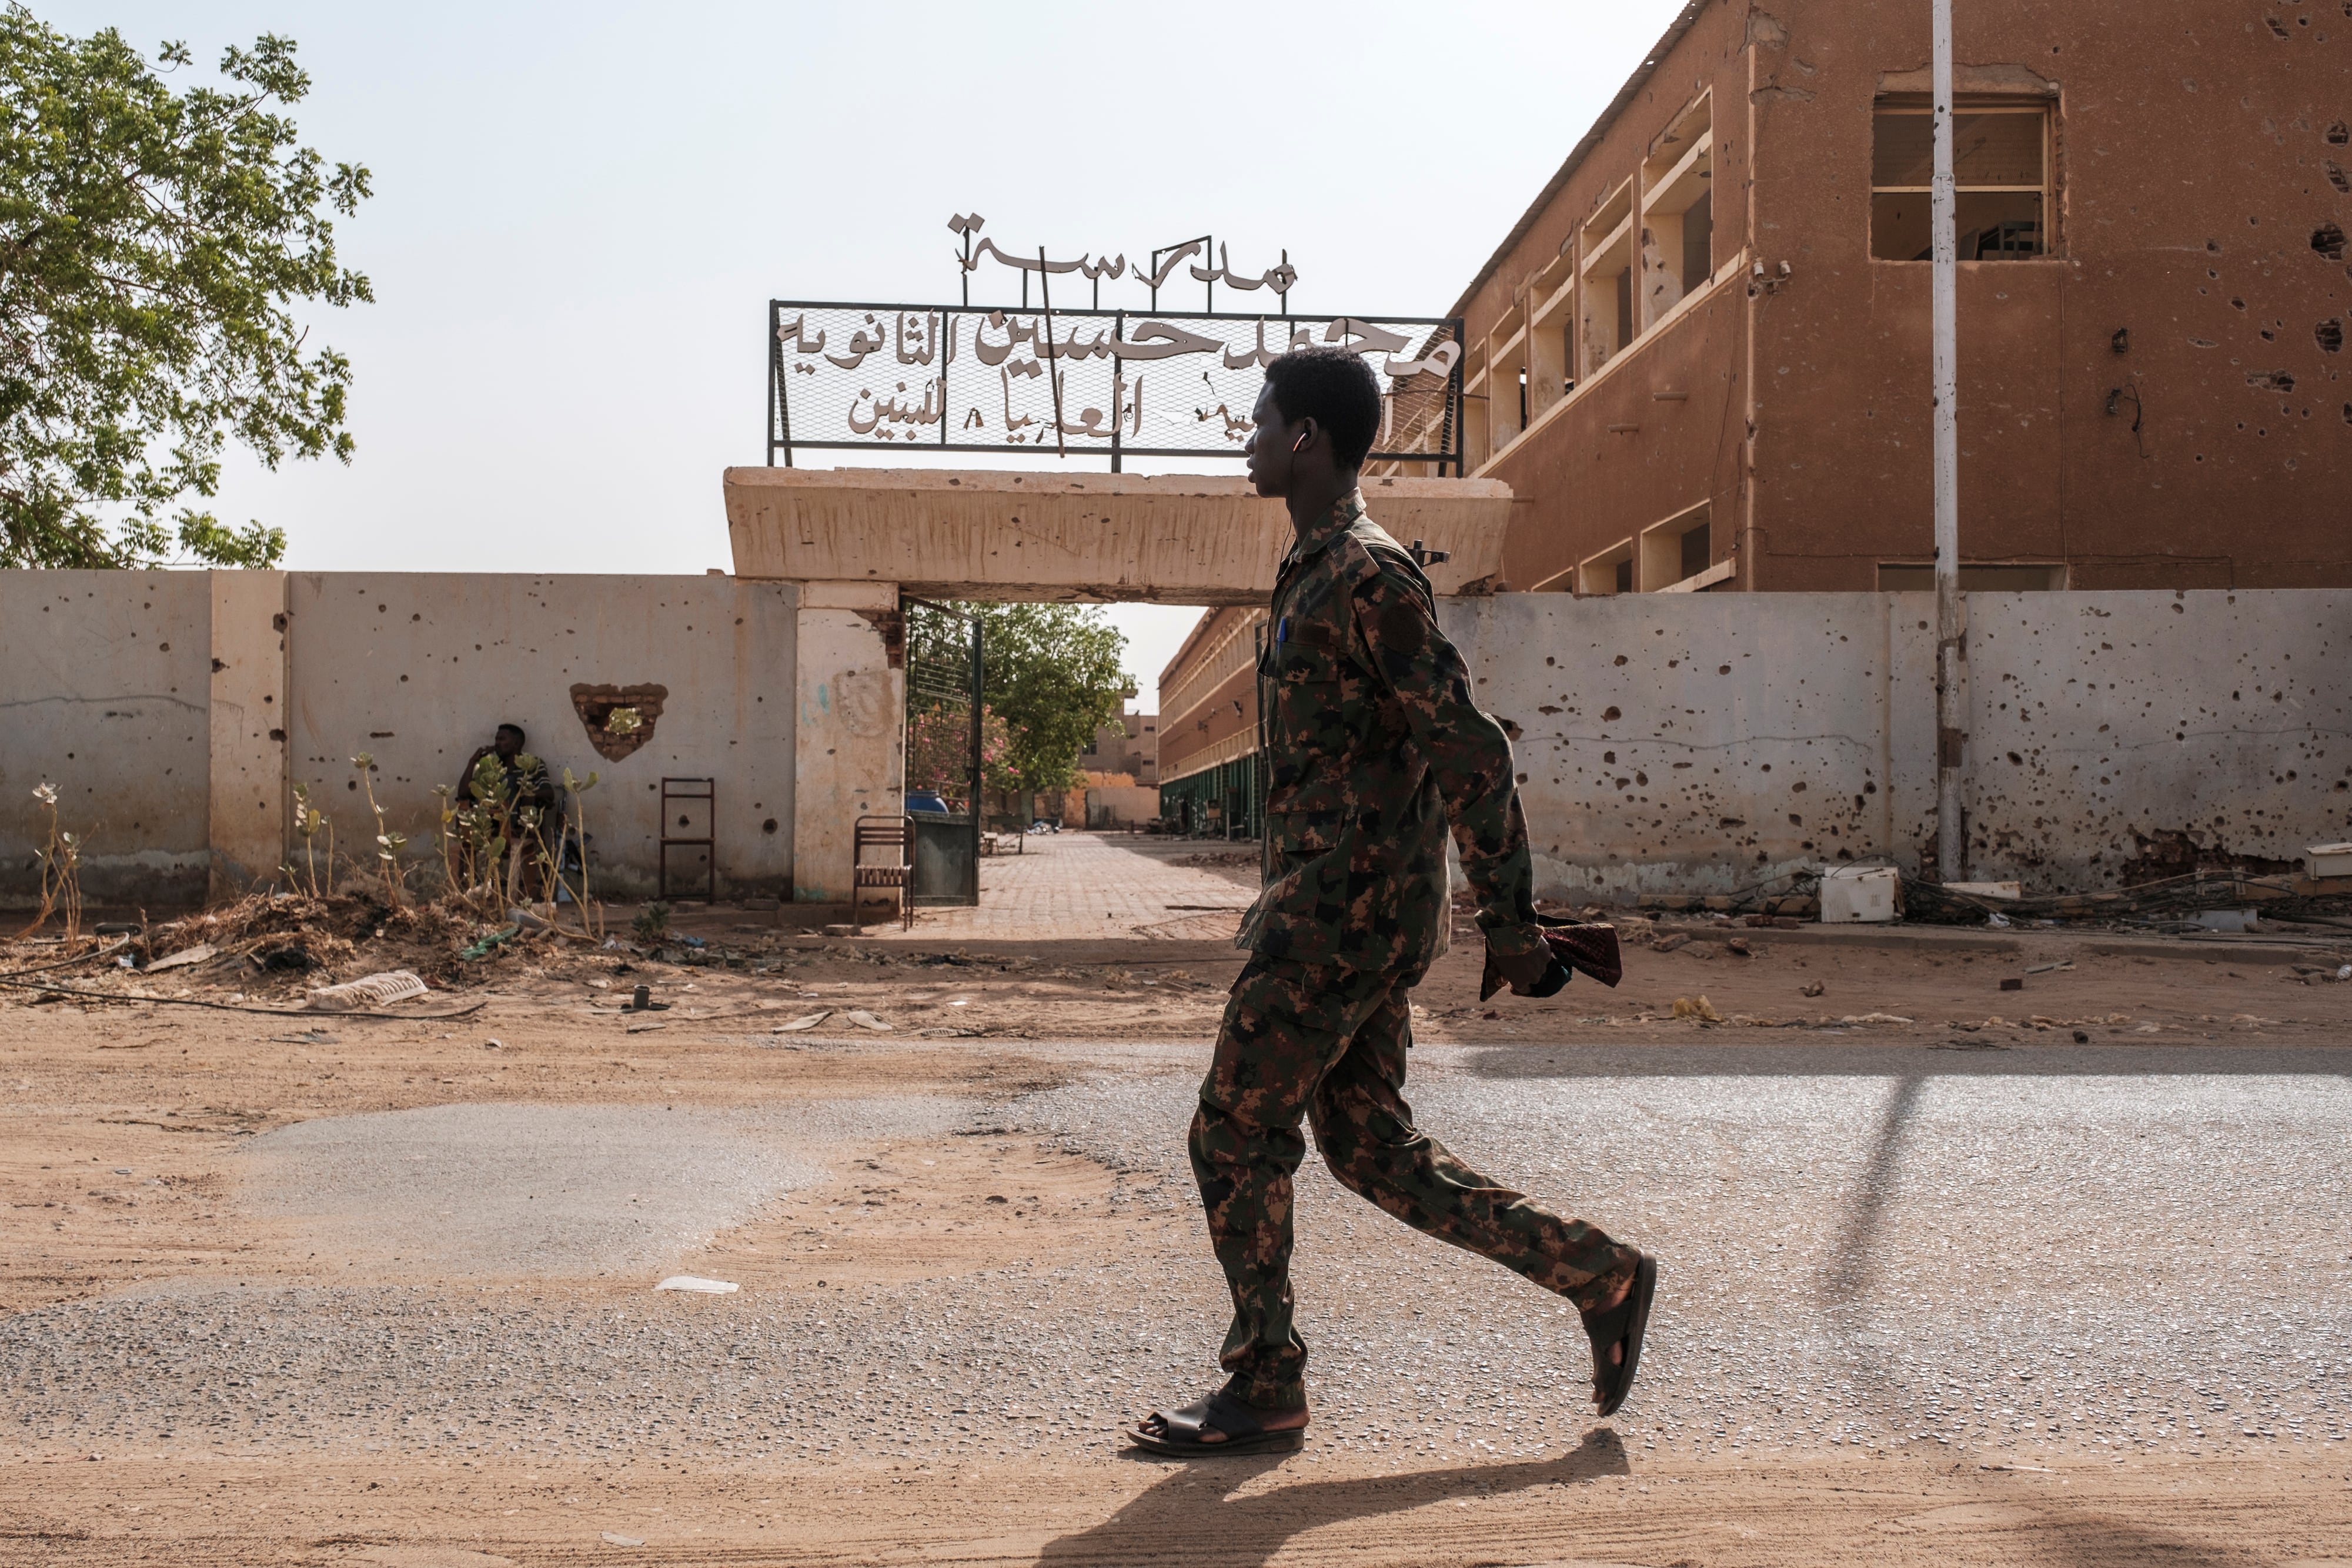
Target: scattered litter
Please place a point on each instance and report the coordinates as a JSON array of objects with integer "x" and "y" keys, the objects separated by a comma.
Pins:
[
  {"x": 641, "y": 1000},
  {"x": 2049, "y": 969},
  {"x": 1668, "y": 944},
  {"x": 1701, "y": 1010},
  {"x": 2149, "y": 1028},
  {"x": 1870, "y": 1017},
  {"x": 619, "y": 1539},
  {"x": 525, "y": 920},
  {"x": 124, "y": 963},
  {"x": 2232, "y": 921},
  {"x": 371, "y": 991},
  {"x": 645, "y": 1026},
  {"x": 1812, "y": 989},
  {"x": 614, "y": 945},
  {"x": 699, "y": 1285},
  {"x": 308, "y": 1037},
  {"x": 2011, "y": 891},
  {"x": 806, "y": 1021},
  {"x": 864, "y": 1019},
  {"x": 1997, "y": 920},
  {"x": 1738, "y": 944},
  {"x": 183, "y": 959},
  {"x": 496, "y": 939},
  {"x": 2345, "y": 973},
  {"x": 2081, "y": 1037},
  {"x": 2014, "y": 1465},
  {"x": 841, "y": 930},
  {"x": 2013, "y": 983}
]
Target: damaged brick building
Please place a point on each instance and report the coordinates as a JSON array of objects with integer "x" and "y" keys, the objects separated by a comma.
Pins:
[{"x": 1700, "y": 360}]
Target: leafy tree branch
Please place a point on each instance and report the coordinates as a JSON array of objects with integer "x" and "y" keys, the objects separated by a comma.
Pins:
[{"x": 153, "y": 245}]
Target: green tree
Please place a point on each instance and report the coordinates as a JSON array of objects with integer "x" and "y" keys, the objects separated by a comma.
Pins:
[
  {"x": 153, "y": 244},
  {"x": 1052, "y": 676}
]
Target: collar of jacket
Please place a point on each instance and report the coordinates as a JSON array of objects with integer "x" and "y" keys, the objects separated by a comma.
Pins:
[{"x": 1330, "y": 526}]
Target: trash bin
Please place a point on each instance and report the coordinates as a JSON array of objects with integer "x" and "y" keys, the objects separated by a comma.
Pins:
[{"x": 946, "y": 863}]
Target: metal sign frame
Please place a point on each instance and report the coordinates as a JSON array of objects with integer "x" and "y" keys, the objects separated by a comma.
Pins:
[{"x": 779, "y": 437}]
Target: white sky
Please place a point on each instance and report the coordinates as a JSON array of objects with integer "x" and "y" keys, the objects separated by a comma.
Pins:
[{"x": 582, "y": 210}]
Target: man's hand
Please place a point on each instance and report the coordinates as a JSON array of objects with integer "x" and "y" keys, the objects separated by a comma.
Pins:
[{"x": 1536, "y": 973}]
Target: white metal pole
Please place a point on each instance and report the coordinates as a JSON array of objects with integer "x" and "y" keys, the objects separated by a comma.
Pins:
[{"x": 1951, "y": 724}]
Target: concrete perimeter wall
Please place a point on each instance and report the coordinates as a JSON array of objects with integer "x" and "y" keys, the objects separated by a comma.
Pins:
[
  {"x": 176, "y": 710},
  {"x": 105, "y": 684},
  {"x": 418, "y": 669},
  {"x": 1672, "y": 743},
  {"x": 1702, "y": 743}
]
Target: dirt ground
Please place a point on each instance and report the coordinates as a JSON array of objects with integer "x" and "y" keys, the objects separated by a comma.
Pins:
[{"x": 122, "y": 1117}]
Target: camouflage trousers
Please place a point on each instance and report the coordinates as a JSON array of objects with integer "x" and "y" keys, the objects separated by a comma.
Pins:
[{"x": 1330, "y": 1044}]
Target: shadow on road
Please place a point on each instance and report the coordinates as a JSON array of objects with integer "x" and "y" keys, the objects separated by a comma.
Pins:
[
  {"x": 1193, "y": 1514},
  {"x": 1850, "y": 1265}
]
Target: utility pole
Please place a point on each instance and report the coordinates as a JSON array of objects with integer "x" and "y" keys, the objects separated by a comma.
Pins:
[{"x": 1951, "y": 724}]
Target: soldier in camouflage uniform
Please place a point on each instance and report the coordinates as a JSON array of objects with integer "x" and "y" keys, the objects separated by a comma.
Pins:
[{"x": 1372, "y": 743}]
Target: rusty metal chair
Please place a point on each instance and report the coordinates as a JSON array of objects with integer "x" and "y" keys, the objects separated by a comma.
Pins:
[{"x": 894, "y": 836}]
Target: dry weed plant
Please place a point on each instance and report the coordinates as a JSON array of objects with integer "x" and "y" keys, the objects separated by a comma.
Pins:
[
  {"x": 61, "y": 874},
  {"x": 591, "y": 915},
  {"x": 309, "y": 821},
  {"x": 388, "y": 844}
]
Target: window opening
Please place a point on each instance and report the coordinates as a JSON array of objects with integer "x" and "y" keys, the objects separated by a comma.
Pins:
[
  {"x": 1698, "y": 551},
  {"x": 1611, "y": 572},
  {"x": 1677, "y": 215},
  {"x": 2001, "y": 167},
  {"x": 1608, "y": 263}
]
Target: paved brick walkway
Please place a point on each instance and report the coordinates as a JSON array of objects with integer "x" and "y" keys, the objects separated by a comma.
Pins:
[{"x": 1075, "y": 885}]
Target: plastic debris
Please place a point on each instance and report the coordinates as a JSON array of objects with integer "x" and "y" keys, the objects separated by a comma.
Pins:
[
  {"x": 525, "y": 919},
  {"x": 645, "y": 1026},
  {"x": 806, "y": 1021},
  {"x": 619, "y": 1539},
  {"x": 1812, "y": 989},
  {"x": 184, "y": 957},
  {"x": 699, "y": 1285},
  {"x": 372, "y": 991},
  {"x": 1701, "y": 1010},
  {"x": 1887, "y": 1017},
  {"x": 498, "y": 938},
  {"x": 864, "y": 1019}
]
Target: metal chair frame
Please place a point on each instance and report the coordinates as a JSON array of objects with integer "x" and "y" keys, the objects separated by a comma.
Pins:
[{"x": 879, "y": 832}]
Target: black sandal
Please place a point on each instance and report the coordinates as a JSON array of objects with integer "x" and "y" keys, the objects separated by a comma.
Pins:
[
  {"x": 1181, "y": 1433},
  {"x": 1622, "y": 1325}
]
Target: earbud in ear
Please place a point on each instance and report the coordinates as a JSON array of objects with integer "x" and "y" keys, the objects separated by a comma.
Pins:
[{"x": 1299, "y": 443}]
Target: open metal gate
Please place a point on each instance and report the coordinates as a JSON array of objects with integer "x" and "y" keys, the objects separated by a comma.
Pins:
[{"x": 943, "y": 751}]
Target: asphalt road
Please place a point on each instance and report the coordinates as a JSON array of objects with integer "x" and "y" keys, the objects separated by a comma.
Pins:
[{"x": 2004, "y": 1252}]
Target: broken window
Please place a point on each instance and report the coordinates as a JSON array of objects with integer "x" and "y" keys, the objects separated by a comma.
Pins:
[{"x": 2001, "y": 169}]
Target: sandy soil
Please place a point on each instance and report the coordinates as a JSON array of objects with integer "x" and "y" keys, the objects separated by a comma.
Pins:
[{"x": 120, "y": 1118}]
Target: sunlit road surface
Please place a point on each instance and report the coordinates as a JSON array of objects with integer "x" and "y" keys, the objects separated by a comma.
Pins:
[{"x": 2003, "y": 1254}]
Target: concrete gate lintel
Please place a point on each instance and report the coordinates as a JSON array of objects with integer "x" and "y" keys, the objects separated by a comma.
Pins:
[{"x": 1168, "y": 539}]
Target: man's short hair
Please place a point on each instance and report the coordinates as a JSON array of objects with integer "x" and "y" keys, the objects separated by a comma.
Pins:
[
  {"x": 519, "y": 734},
  {"x": 1334, "y": 387}
]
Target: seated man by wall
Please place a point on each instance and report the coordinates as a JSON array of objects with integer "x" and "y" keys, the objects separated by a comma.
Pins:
[{"x": 534, "y": 818}]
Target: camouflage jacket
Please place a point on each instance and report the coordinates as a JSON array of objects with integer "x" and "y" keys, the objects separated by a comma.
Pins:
[{"x": 1371, "y": 742}]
